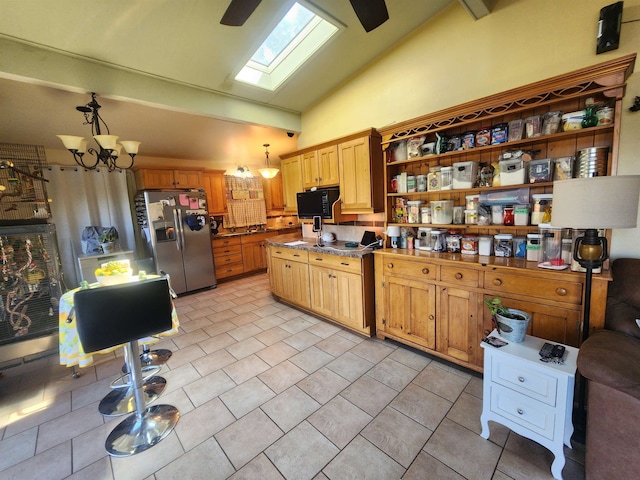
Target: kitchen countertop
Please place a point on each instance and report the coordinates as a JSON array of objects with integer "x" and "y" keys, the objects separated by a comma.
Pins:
[
  {"x": 335, "y": 248},
  {"x": 255, "y": 232}
]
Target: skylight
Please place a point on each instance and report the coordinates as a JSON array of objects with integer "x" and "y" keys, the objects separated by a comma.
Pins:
[{"x": 291, "y": 43}]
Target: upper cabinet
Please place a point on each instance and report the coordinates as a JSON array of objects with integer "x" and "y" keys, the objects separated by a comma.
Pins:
[
  {"x": 273, "y": 194},
  {"x": 320, "y": 167},
  {"x": 291, "y": 171},
  {"x": 213, "y": 184},
  {"x": 360, "y": 165},
  {"x": 164, "y": 178},
  {"x": 354, "y": 163}
]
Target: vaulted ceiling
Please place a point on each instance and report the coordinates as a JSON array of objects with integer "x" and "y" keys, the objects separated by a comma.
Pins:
[{"x": 163, "y": 70}]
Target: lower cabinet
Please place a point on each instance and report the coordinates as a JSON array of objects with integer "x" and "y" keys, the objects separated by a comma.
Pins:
[
  {"x": 335, "y": 287},
  {"x": 254, "y": 251},
  {"x": 227, "y": 257},
  {"x": 437, "y": 304}
]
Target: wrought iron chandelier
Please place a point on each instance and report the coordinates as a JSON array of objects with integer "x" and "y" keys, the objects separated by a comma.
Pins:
[{"x": 109, "y": 151}]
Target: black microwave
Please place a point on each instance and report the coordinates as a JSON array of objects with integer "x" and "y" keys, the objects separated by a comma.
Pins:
[{"x": 317, "y": 203}]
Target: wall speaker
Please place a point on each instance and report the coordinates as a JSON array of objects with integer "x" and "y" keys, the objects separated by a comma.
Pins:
[{"x": 609, "y": 28}]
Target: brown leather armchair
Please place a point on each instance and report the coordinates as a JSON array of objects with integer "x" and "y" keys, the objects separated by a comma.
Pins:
[{"x": 610, "y": 360}]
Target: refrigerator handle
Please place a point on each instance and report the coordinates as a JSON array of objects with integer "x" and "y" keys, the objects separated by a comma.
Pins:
[
  {"x": 178, "y": 227},
  {"x": 181, "y": 229}
]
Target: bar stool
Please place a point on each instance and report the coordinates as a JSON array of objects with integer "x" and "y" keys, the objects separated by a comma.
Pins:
[{"x": 122, "y": 314}]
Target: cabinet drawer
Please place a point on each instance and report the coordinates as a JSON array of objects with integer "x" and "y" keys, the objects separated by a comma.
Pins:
[
  {"x": 229, "y": 270},
  {"x": 220, "y": 261},
  {"x": 347, "y": 264},
  {"x": 528, "y": 381},
  {"x": 460, "y": 276},
  {"x": 225, "y": 242},
  {"x": 558, "y": 290},
  {"x": 410, "y": 268},
  {"x": 532, "y": 415},
  {"x": 290, "y": 254},
  {"x": 226, "y": 250}
]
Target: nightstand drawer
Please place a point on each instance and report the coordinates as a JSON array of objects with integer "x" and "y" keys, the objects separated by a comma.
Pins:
[
  {"x": 460, "y": 276},
  {"x": 527, "y": 381},
  {"x": 532, "y": 415}
]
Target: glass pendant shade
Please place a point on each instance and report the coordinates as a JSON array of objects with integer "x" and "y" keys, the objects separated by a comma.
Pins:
[
  {"x": 268, "y": 172},
  {"x": 108, "y": 142},
  {"x": 71, "y": 142},
  {"x": 130, "y": 146}
]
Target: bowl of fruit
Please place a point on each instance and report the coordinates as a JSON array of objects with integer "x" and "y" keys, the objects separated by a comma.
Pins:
[{"x": 112, "y": 273}]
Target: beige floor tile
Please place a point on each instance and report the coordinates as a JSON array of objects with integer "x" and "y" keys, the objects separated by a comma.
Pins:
[
  {"x": 424, "y": 407},
  {"x": 302, "y": 340},
  {"x": 311, "y": 359},
  {"x": 18, "y": 448},
  {"x": 196, "y": 426},
  {"x": 340, "y": 421},
  {"x": 258, "y": 468},
  {"x": 146, "y": 463},
  {"x": 350, "y": 366},
  {"x": 247, "y": 396},
  {"x": 56, "y": 462},
  {"x": 369, "y": 394},
  {"x": 247, "y": 368},
  {"x": 67, "y": 427},
  {"x": 290, "y": 408},
  {"x": 393, "y": 374},
  {"x": 282, "y": 376},
  {"x": 213, "y": 362},
  {"x": 441, "y": 382},
  {"x": 362, "y": 460},
  {"x": 209, "y": 387},
  {"x": 425, "y": 466},
  {"x": 373, "y": 350},
  {"x": 206, "y": 460},
  {"x": 277, "y": 353},
  {"x": 335, "y": 345},
  {"x": 272, "y": 335},
  {"x": 218, "y": 342},
  {"x": 301, "y": 453},
  {"x": 245, "y": 348},
  {"x": 411, "y": 358},
  {"x": 246, "y": 331},
  {"x": 323, "y": 385},
  {"x": 193, "y": 337}
]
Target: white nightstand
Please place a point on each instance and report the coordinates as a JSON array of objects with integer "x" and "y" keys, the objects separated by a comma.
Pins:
[{"x": 532, "y": 398}]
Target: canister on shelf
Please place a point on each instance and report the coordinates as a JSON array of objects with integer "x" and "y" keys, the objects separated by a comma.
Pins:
[
  {"x": 485, "y": 245},
  {"x": 519, "y": 247},
  {"x": 458, "y": 215},
  {"x": 497, "y": 214},
  {"x": 421, "y": 183},
  {"x": 425, "y": 214},
  {"x": 503, "y": 245},
  {"x": 470, "y": 217},
  {"x": 446, "y": 178},
  {"x": 508, "y": 216},
  {"x": 567, "y": 255},
  {"x": 411, "y": 183},
  {"x": 413, "y": 208},
  {"x": 437, "y": 241},
  {"x": 442, "y": 211},
  {"x": 541, "y": 208},
  {"x": 454, "y": 241},
  {"x": 472, "y": 202},
  {"x": 470, "y": 245},
  {"x": 521, "y": 215},
  {"x": 534, "y": 247}
]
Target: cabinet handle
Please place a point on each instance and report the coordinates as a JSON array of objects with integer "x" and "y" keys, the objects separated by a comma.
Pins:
[
  {"x": 278, "y": 252},
  {"x": 458, "y": 276},
  {"x": 521, "y": 379},
  {"x": 561, "y": 291},
  {"x": 520, "y": 411},
  {"x": 425, "y": 271},
  {"x": 318, "y": 259},
  {"x": 431, "y": 317},
  {"x": 344, "y": 263},
  {"x": 296, "y": 254},
  {"x": 389, "y": 265},
  {"x": 497, "y": 282}
]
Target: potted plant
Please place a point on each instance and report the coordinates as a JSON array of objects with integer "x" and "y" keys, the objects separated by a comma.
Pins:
[
  {"x": 511, "y": 324},
  {"x": 107, "y": 240}
]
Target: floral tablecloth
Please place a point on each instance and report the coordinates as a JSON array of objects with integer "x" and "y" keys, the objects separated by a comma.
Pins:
[{"x": 71, "y": 351}]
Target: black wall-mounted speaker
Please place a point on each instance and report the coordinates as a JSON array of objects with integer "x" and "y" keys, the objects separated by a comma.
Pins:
[{"x": 609, "y": 28}]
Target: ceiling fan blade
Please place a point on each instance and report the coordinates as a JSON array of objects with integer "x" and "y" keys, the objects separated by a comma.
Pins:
[
  {"x": 238, "y": 12},
  {"x": 371, "y": 13}
]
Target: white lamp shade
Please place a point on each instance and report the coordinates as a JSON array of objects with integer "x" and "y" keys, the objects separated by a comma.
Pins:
[
  {"x": 268, "y": 172},
  {"x": 108, "y": 142},
  {"x": 130, "y": 146},
  {"x": 83, "y": 146},
  {"x": 118, "y": 149},
  {"x": 393, "y": 231},
  {"x": 596, "y": 202},
  {"x": 71, "y": 142}
]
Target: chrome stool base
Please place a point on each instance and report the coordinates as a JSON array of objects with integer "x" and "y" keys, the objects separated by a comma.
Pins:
[
  {"x": 151, "y": 357},
  {"x": 121, "y": 401},
  {"x": 140, "y": 432}
]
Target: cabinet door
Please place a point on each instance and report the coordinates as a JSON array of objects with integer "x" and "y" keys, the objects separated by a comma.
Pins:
[
  {"x": 328, "y": 170},
  {"x": 278, "y": 272},
  {"x": 151, "y": 178},
  {"x": 458, "y": 325},
  {"x": 253, "y": 256},
  {"x": 213, "y": 183},
  {"x": 410, "y": 310},
  {"x": 355, "y": 176},
  {"x": 297, "y": 283},
  {"x": 187, "y": 178},
  {"x": 273, "y": 195},
  {"x": 291, "y": 182},
  {"x": 322, "y": 290},
  {"x": 557, "y": 324},
  {"x": 348, "y": 299},
  {"x": 310, "y": 171}
]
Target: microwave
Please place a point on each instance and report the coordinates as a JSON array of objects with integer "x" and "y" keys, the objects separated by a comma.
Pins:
[{"x": 317, "y": 202}]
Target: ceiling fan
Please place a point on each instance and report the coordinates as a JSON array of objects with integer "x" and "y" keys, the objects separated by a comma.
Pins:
[{"x": 371, "y": 13}]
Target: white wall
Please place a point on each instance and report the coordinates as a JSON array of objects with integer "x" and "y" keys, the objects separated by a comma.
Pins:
[{"x": 453, "y": 59}]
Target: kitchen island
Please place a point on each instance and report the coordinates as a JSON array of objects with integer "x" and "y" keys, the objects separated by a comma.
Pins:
[{"x": 332, "y": 281}]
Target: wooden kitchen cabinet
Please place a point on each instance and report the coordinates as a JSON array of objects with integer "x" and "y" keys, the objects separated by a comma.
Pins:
[
  {"x": 338, "y": 288},
  {"x": 160, "y": 178},
  {"x": 289, "y": 275},
  {"x": 320, "y": 167},
  {"x": 254, "y": 251},
  {"x": 213, "y": 184},
  {"x": 361, "y": 173},
  {"x": 291, "y": 171},
  {"x": 227, "y": 256},
  {"x": 273, "y": 194},
  {"x": 458, "y": 325}
]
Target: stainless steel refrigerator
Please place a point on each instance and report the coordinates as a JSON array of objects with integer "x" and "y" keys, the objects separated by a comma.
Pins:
[{"x": 177, "y": 235}]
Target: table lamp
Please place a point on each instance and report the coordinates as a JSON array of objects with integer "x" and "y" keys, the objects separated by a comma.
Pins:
[
  {"x": 591, "y": 204},
  {"x": 393, "y": 232}
]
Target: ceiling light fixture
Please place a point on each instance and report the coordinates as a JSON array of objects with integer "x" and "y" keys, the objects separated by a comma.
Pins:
[
  {"x": 109, "y": 148},
  {"x": 243, "y": 172},
  {"x": 268, "y": 172}
]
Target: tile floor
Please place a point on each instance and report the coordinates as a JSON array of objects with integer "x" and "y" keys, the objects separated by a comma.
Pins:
[{"x": 268, "y": 392}]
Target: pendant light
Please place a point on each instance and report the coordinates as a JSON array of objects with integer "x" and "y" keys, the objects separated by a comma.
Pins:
[{"x": 268, "y": 171}]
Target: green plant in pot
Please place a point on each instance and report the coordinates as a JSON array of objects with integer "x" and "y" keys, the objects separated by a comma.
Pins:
[
  {"x": 511, "y": 323},
  {"x": 107, "y": 240}
]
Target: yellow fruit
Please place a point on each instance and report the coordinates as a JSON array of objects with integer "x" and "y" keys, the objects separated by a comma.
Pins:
[{"x": 98, "y": 272}]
